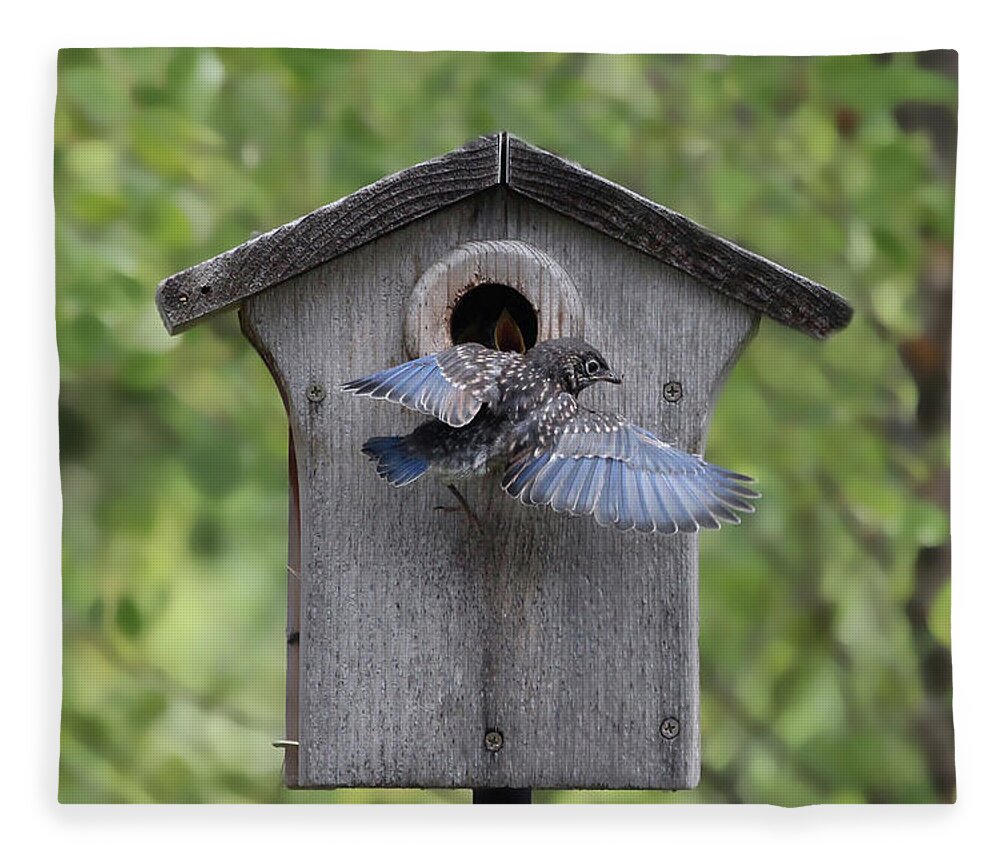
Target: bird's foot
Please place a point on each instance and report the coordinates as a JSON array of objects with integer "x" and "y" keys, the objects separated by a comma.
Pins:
[{"x": 463, "y": 506}]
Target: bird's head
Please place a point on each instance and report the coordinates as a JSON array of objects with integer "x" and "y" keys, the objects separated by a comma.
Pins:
[{"x": 574, "y": 363}]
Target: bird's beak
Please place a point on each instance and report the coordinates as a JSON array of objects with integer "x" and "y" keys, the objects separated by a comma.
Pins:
[{"x": 609, "y": 376}]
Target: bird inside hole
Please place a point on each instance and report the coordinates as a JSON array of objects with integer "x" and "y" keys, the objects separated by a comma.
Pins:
[{"x": 516, "y": 411}]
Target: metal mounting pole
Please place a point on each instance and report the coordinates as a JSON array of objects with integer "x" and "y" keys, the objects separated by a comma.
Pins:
[{"x": 501, "y": 795}]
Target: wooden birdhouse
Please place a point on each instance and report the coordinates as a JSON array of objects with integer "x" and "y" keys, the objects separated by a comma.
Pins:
[{"x": 543, "y": 651}]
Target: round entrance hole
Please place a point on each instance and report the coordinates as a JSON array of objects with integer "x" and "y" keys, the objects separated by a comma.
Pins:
[
  {"x": 462, "y": 296},
  {"x": 475, "y": 316}
]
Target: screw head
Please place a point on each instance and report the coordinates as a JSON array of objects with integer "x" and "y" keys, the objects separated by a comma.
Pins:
[
  {"x": 672, "y": 391},
  {"x": 670, "y": 728},
  {"x": 493, "y": 741},
  {"x": 316, "y": 392}
]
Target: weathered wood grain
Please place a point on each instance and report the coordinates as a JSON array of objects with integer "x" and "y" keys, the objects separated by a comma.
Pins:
[
  {"x": 293, "y": 248},
  {"x": 534, "y": 274},
  {"x": 293, "y": 624},
  {"x": 499, "y": 159},
  {"x": 668, "y": 236},
  {"x": 418, "y": 634},
  {"x": 293, "y": 609}
]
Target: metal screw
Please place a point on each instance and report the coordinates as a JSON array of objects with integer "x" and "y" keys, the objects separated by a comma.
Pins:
[
  {"x": 672, "y": 391},
  {"x": 316, "y": 392},
  {"x": 493, "y": 741},
  {"x": 670, "y": 728}
]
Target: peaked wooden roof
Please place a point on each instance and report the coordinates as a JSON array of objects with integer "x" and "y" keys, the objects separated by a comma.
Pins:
[{"x": 499, "y": 159}]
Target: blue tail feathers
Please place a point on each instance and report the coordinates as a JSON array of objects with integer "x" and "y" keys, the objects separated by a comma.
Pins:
[{"x": 394, "y": 460}]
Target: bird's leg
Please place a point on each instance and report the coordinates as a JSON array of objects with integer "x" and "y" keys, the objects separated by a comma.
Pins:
[{"x": 464, "y": 507}]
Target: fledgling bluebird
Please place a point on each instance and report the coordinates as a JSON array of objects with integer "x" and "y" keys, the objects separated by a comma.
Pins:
[{"x": 520, "y": 413}]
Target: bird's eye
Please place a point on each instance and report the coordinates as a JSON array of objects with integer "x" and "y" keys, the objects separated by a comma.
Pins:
[{"x": 592, "y": 366}]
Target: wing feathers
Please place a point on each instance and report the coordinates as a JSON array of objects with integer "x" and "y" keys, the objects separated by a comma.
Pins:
[
  {"x": 451, "y": 386},
  {"x": 625, "y": 477},
  {"x": 595, "y": 464},
  {"x": 590, "y": 486}
]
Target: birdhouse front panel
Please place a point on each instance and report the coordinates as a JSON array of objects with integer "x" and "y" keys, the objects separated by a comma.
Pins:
[{"x": 541, "y": 650}]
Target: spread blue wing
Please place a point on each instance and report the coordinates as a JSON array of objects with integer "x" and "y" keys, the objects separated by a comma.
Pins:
[
  {"x": 452, "y": 385},
  {"x": 600, "y": 465}
]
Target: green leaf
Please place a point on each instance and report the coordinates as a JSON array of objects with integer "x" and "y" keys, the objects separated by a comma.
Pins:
[{"x": 128, "y": 617}]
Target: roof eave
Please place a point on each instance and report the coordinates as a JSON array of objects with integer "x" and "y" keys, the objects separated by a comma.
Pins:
[
  {"x": 267, "y": 260},
  {"x": 499, "y": 159},
  {"x": 670, "y": 237}
]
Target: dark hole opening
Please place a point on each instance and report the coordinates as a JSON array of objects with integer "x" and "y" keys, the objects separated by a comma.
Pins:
[{"x": 475, "y": 317}]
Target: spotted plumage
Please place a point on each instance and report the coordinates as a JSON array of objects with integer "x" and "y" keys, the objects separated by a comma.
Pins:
[{"x": 520, "y": 413}]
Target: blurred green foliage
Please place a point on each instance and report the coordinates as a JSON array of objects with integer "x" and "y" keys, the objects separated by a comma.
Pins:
[{"x": 826, "y": 669}]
